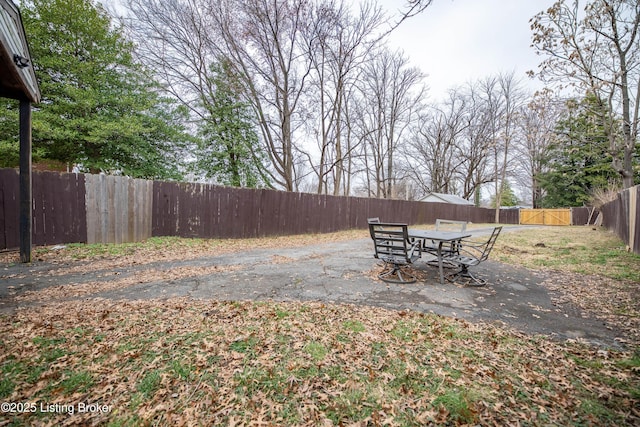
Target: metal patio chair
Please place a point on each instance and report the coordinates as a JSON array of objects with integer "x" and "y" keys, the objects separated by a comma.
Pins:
[
  {"x": 471, "y": 253},
  {"x": 392, "y": 246}
]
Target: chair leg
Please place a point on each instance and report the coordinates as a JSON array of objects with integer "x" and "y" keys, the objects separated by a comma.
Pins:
[
  {"x": 393, "y": 274},
  {"x": 464, "y": 272}
]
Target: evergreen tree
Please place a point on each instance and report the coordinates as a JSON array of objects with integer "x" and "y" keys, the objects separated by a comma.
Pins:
[
  {"x": 579, "y": 161},
  {"x": 228, "y": 151},
  {"x": 507, "y": 198},
  {"x": 100, "y": 111},
  {"x": 9, "y": 133}
]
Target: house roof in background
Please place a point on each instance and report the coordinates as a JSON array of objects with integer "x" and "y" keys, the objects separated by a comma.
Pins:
[
  {"x": 17, "y": 76},
  {"x": 446, "y": 198}
]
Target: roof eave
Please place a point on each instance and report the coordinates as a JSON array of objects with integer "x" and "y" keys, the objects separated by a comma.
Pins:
[{"x": 17, "y": 82}]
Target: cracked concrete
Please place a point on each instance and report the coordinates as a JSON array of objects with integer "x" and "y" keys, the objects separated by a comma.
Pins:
[{"x": 340, "y": 272}]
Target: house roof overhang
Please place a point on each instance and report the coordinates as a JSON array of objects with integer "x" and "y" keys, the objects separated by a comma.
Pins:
[{"x": 17, "y": 76}]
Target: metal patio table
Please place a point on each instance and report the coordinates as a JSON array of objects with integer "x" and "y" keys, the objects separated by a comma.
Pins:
[{"x": 440, "y": 237}]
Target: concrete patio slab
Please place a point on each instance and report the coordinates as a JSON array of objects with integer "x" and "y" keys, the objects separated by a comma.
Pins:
[{"x": 339, "y": 272}]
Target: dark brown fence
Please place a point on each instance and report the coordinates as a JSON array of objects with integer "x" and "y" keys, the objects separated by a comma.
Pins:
[
  {"x": 623, "y": 217},
  {"x": 94, "y": 208},
  {"x": 58, "y": 208},
  {"x": 584, "y": 216},
  {"x": 199, "y": 210}
]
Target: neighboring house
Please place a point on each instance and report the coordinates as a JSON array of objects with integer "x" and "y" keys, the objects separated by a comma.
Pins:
[{"x": 446, "y": 198}]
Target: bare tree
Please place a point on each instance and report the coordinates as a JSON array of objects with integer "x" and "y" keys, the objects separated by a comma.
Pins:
[
  {"x": 597, "y": 50},
  {"x": 263, "y": 40},
  {"x": 503, "y": 99},
  {"x": 513, "y": 99},
  {"x": 477, "y": 144},
  {"x": 409, "y": 9},
  {"x": 176, "y": 41},
  {"x": 435, "y": 155},
  {"x": 537, "y": 132},
  {"x": 297, "y": 60},
  {"x": 337, "y": 41},
  {"x": 390, "y": 91},
  {"x": 452, "y": 146}
]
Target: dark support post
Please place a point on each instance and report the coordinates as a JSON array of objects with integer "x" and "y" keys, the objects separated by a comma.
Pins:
[{"x": 25, "y": 181}]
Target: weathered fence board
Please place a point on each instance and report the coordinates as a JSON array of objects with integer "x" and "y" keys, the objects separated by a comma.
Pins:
[
  {"x": 622, "y": 216},
  {"x": 118, "y": 209},
  {"x": 584, "y": 216},
  {"x": 634, "y": 224},
  {"x": 58, "y": 215}
]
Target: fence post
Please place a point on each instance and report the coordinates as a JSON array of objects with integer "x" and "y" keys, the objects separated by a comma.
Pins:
[{"x": 633, "y": 217}]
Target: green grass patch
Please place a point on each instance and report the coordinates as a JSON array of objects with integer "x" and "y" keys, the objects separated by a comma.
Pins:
[
  {"x": 182, "y": 370},
  {"x": 353, "y": 326},
  {"x": 6, "y": 386},
  {"x": 149, "y": 384},
  {"x": 574, "y": 249},
  {"x": 246, "y": 345},
  {"x": 459, "y": 403},
  {"x": 316, "y": 350},
  {"x": 77, "y": 382}
]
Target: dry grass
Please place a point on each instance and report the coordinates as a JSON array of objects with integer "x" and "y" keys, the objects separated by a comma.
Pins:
[
  {"x": 171, "y": 249},
  {"x": 186, "y": 362},
  {"x": 584, "y": 250}
]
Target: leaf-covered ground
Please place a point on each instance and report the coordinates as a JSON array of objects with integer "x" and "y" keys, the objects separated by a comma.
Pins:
[
  {"x": 593, "y": 271},
  {"x": 185, "y": 362},
  {"x": 182, "y": 362}
]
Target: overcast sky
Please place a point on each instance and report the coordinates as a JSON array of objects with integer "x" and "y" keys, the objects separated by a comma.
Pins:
[{"x": 456, "y": 41}]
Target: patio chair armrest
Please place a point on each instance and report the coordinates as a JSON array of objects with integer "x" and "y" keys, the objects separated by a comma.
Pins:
[
  {"x": 471, "y": 245},
  {"x": 416, "y": 245}
]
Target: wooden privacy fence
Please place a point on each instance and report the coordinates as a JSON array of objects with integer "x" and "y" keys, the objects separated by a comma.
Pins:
[
  {"x": 58, "y": 208},
  {"x": 118, "y": 209},
  {"x": 623, "y": 217},
  {"x": 201, "y": 210},
  {"x": 545, "y": 216},
  {"x": 82, "y": 208}
]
